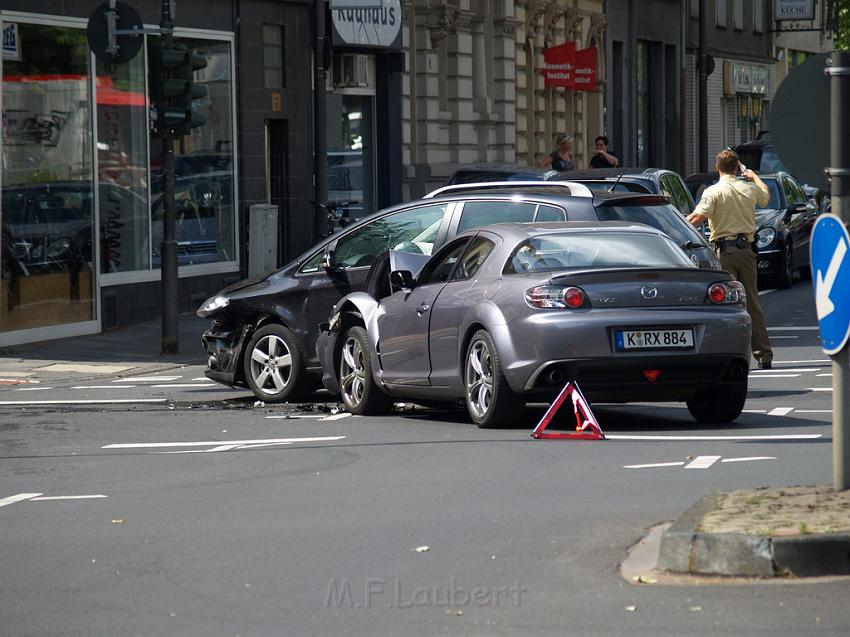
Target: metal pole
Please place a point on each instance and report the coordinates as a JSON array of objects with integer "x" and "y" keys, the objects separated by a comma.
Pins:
[
  {"x": 168, "y": 247},
  {"x": 703, "y": 90},
  {"x": 320, "y": 123},
  {"x": 839, "y": 158}
]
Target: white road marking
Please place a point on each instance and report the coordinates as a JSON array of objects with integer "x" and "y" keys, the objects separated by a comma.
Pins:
[
  {"x": 296, "y": 417},
  {"x": 819, "y": 388},
  {"x": 792, "y": 370},
  {"x": 763, "y": 292},
  {"x": 103, "y": 387},
  {"x": 730, "y": 438},
  {"x": 67, "y": 497},
  {"x": 229, "y": 448},
  {"x": 748, "y": 459},
  {"x": 775, "y": 337},
  {"x": 31, "y": 388},
  {"x": 780, "y": 411},
  {"x": 147, "y": 379},
  {"x": 754, "y": 411},
  {"x": 794, "y": 328},
  {"x": 20, "y": 497},
  {"x": 189, "y": 385},
  {"x": 116, "y": 401},
  {"x": 204, "y": 378},
  {"x": 344, "y": 414},
  {"x": 814, "y": 411},
  {"x": 216, "y": 443},
  {"x": 702, "y": 462},
  {"x": 753, "y": 375},
  {"x": 656, "y": 464},
  {"x": 829, "y": 375},
  {"x": 817, "y": 361}
]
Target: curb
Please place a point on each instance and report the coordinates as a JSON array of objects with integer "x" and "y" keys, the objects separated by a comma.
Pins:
[{"x": 685, "y": 550}]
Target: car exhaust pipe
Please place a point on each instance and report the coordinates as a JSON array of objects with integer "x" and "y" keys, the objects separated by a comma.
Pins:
[{"x": 555, "y": 376}]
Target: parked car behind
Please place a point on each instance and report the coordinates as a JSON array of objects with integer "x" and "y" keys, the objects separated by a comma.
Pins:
[
  {"x": 783, "y": 227},
  {"x": 482, "y": 172},
  {"x": 659, "y": 181},
  {"x": 264, "y": 330},
  {"x": 506, "y": 312}
]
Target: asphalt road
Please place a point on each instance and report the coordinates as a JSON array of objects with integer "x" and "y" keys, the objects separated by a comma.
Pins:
[{"x": 221, "y": 518}]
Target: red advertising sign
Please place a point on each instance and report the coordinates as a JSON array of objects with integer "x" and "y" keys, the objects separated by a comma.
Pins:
[
  {"x": 584, "y": 71},
  {"x": 558, "y": 64}
]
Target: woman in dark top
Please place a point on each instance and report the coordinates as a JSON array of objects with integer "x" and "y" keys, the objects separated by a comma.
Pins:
[{"x": 560, "y": 159}]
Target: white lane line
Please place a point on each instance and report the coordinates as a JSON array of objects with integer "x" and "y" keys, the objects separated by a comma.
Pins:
[
  {"x": 229, "y": 448},
  {"x": 796, "y": 328},
  {"x": 780, "y": 411},
  {"x": 20, "y": 497},
  {"x": 294, "y": 417},
  {"x": 770, "y": 291},
  {"x": 702, "y": 462},
  {"x": 188, "y": 385},
  {"x": 748, "y": 459},
  {"x": 819, "y": 388},
  {"x": 345, "y": 414},
  {"x": 204, "y": 378},
  {"x": 829, "y": 375},
  {"x": 794, "y": 370},
  {"x": 814, "y": 411},
  {"x": 216, "y": 443},
  {"x": 752, "y": 375},
  {"x": 146, "y": 379},
  {"x": 653, "y": 465},
  {"x": 31, "y": 388},
  {"x": 775, "y": 337},
  {"x": 67, "y": 497},
  {"x": 730, "y": 438},
  {"x": 103, "y": 387},
  {"x": 817, "y": 361},
  {"x": 754, "y": 411},
  {"x": 116, "y": 401}
]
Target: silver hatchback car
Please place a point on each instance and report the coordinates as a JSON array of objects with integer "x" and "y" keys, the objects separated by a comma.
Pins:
[{"x": 510, "y": 311}]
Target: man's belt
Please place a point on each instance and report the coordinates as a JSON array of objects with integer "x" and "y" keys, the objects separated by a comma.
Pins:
[{"x": 739, "y": 241}]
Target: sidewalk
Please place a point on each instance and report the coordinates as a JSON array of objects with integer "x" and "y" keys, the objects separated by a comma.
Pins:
[{"x": 135, "y": 349}]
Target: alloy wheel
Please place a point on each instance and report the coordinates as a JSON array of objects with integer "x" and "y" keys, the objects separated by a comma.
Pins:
[
  {"x": 479, "y": 379},
  {"x": 271, "y": 364},
  {"x": 352, "y": 372}
]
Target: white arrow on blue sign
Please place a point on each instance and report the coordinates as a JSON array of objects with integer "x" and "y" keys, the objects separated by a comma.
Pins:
[{"x": 830, "y": 260}]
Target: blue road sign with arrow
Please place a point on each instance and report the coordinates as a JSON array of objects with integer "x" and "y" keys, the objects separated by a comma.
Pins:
[{"x": 830, "y": 260}]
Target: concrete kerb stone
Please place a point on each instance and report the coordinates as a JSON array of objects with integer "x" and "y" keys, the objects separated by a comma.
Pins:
[{"x": 684, "y": 549}]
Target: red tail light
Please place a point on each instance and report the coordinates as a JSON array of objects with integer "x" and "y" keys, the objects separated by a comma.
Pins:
[
  {"x": 728, "y": 292},
  {"x": 574, "y": 297},
  {"x": 554, "y": 296}
]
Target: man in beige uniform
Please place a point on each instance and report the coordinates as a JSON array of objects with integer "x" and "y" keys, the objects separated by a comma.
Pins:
[{"x": 730, "y": 207}]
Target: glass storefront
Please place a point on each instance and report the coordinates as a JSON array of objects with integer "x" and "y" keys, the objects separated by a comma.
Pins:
[
  {"x": 47, "y": 209},
  {"x": 351, "y": 160},
  {"x": 81, "y": 174}
]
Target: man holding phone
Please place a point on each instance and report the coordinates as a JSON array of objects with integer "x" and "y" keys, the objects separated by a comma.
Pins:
[{"x": 730, "y": 207}]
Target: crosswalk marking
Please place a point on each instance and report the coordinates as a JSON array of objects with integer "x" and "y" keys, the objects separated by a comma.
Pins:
[
  {"x": 702, "y": 462},
  {"x": 20, "y": 497},
  {"x": 780, "y": 411}
]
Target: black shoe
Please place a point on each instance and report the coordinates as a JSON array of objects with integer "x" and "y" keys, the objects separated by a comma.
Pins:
[{"x": 765, "y": 364}]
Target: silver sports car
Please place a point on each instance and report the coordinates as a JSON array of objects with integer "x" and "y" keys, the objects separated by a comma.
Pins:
[{"x": 510, "y": 311}]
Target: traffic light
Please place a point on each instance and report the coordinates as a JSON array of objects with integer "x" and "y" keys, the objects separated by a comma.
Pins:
[{"x": 177, "y": 90}]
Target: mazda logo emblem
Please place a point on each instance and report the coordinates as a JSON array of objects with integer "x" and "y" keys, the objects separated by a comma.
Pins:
[{"x": 649, "y": 292}]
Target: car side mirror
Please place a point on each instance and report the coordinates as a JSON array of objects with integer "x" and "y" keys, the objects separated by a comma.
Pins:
[
  {"x": 328, "y": 262},
  {"x": 402, "y": 280},
  {"x": 797, "y": 208}
]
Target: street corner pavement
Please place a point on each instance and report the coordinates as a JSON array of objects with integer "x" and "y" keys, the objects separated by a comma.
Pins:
[
  {"x": 800, "y": 531},
  {"x": 136, "y": 349}
]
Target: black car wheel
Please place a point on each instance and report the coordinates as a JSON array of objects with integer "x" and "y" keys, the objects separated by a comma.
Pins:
[
  {"x": 360, "y": 392},
  {"x": 489, "y": 399},
  {"x": 718, "y": 405},
  {"x": 274, "y": 366},
  {"x": 785, "y": 278}
]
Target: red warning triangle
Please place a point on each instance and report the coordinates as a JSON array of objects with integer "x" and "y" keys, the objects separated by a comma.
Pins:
[{"x": 587, "y": 428}]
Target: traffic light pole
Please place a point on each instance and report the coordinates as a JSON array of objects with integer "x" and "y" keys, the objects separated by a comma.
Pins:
[
  {"x": 839, "y": 172},
  {"x": 168, "y": 248}
]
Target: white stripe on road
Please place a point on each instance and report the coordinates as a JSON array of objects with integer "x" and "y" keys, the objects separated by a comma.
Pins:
[
  {"x": 817, "y": 361},
  {"x": 763, "y": 292},
  {"x": 774, "y": 337},
  {"x": 795, "y": 370},
  {"x": 753, "y": 375},
  {"x": 829, "y": 375},
  {"x": 730, "y": 438},
  {"x": 216, "y": 443},
  {"x": 103, "y": 387},
  {"x": 116, "y": 401},
  {"x": 814, "y": 411},
  {"x": 656, "y": 464},
  {"x": 780, "y": 411},
  {"x": 754, "y": 411},
  {"x": 296, "y": 417},
  {"x": 18, "y": 498},
  {"x": 67, "y": 497},
  {"x": 31, "y": 388},
  {"x": 189, "y": 385},
  {"x": 344, "y": 414},
  {"x": 146, "y": 379},
  {"x": 748, "y": 459},
  {"x": 819, "y": 388},
  {"x": 702, "y": 462},
  {"x": 795, "y": 328}
]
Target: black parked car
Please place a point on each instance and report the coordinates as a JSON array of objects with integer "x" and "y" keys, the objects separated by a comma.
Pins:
[
  {"x": 659, "y": 181},
  {"x": 264, "y": 329},
  {"x": 783, "y": 226}
]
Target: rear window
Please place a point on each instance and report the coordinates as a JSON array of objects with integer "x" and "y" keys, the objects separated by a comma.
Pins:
[
  {"x": 665, "y": 218},
  {"x": 595, "y": 250}
]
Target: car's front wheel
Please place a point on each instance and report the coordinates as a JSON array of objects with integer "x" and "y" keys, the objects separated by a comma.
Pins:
[
  {"x": 786, "y": 275},
  {"x": 360, "y": 392},
  {"x": 489, "y": 399},
  {"x": 274, "y": 365},
  {"x": 718, "y": 405}
]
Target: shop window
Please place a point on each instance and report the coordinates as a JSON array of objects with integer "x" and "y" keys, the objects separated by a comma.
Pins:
[
  {"x": 273, "y": 42},
  {"x": 47, "y": 211},
  {"x": 738, "y": 15},
  {"x": 720, "y": 13},
  {"x": 204, "y": 169}
]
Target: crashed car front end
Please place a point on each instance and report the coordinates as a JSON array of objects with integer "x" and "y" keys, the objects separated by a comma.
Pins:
[{"x": 224, "y": 343}]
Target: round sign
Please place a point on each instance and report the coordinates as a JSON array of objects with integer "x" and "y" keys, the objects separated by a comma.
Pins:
[
  {"x": 799, "y": 121},
  {"x": 97, "y": 33}
]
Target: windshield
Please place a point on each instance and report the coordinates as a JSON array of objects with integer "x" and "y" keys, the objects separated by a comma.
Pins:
[
  {"x": 664, "y": 217},
  {"x": 772, "y": 185},
  {"x": 595, "y": 250}
]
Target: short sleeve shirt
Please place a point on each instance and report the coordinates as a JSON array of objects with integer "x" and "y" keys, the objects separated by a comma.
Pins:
[
  {"x": 730, "y": 206},
  {"x": 559, "y": 163}
]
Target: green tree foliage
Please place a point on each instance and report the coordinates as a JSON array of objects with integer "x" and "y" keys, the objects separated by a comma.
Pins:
[{"x": 842, "y": 34}]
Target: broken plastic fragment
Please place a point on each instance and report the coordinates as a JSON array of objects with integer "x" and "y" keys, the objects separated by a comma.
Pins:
[{"x": 422, "y": 549}]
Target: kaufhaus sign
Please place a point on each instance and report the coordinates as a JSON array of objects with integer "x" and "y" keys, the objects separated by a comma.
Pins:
[{"x": 368, "y": 27}]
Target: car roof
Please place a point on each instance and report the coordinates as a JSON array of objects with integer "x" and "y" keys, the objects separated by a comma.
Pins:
[
  {"x": 548, "y": 192},
  {"x": 518, "y": 231},
  {"x": 619, "y": 171}
]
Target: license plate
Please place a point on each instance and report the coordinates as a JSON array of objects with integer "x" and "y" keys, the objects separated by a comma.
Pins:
[{"x": 654, "y": 339}]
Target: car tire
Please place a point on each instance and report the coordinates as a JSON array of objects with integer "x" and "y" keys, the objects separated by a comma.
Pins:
[
  {"x": 718, "y": 405},
  {"x": 785, "y": 278},
  {"x": 360, "y": 393},
  {"x": 274, "y": 366},
  {"x": 490, "y": 401}
]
